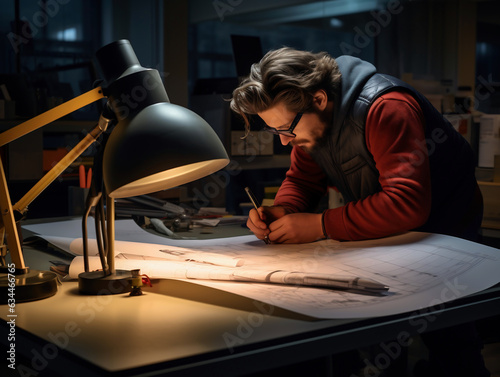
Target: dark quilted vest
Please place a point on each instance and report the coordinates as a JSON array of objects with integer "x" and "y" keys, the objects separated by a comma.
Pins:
[{"x": 350, "y": 167}]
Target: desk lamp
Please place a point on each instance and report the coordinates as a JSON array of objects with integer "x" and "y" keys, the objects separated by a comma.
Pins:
[{"x": 154, "y": 145}]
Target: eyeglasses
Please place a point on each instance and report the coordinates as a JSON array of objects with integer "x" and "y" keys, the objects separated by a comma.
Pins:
[{"x": 288, "y": 132}]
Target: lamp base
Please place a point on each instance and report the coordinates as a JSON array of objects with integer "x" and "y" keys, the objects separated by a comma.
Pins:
[
  {"x": 30, "y": 286},
  {"x": 97, "y": 283}
]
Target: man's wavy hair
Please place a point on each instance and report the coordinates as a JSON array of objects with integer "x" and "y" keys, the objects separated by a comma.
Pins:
[{"x": 289, "y": 76}]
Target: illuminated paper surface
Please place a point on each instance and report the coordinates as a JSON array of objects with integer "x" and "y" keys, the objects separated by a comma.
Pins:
[{"x": 422, "y": 270}]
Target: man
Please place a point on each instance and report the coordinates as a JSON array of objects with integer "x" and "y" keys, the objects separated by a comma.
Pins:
[{"x": 397, "y": 162}]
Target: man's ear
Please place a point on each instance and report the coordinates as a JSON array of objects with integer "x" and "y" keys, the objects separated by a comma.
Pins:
[{"x": 320, "y": 99}]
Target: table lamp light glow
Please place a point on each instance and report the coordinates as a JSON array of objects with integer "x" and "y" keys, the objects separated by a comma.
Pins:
[{"x": 154, "y": 145}]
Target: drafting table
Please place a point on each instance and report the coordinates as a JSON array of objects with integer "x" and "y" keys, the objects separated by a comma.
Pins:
[{"x": 178, "y": 328}]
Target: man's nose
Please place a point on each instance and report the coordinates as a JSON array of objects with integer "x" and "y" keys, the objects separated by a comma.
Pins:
[{"x": 285, "y": 139}]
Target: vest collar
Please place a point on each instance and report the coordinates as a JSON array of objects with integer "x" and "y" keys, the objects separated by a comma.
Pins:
[{"x": 355, "y": 73}]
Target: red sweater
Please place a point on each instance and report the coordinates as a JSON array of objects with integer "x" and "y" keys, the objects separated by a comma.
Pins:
[{"x": 394, "y": 135}]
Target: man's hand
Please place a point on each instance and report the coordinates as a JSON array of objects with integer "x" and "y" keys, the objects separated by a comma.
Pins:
[
  {"x": 259, "y": 219},
  {"x": 297, "y": 228},
  {"x": 283, "y": 227}
]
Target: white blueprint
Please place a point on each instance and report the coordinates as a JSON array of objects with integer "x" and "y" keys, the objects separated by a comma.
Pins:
[{"x": 422, "y": 270}]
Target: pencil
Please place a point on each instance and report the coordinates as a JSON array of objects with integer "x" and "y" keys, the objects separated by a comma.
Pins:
[{"x": 256, "y": 204}]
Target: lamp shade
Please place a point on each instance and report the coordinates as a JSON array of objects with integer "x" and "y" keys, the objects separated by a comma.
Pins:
[
  {"x": 155, "y": 145},
  {"x": 162, "y": 146}
]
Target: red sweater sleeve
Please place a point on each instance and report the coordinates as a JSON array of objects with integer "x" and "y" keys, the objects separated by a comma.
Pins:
[
  {"x": 395, "y": 137},
  {"x": 304, "y": 185}
]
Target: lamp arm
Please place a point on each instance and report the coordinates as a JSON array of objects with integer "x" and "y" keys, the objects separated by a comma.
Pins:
[
  {"x": 51, "y": 115},
  {"x": 10, "y": 229},
  {"x": 22, "y": 205},
  {"x": 8, "y": 221}
]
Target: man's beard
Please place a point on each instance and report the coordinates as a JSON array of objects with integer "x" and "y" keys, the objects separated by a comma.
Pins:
[
  {"x": 319, "y": 139},
  {"x": 315, "y": 144},
  {"x": 320, "y": 142}
]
